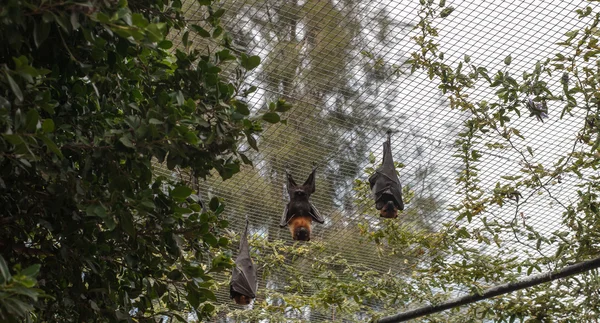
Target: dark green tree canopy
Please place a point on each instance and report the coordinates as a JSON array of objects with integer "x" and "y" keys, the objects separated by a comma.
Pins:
[{"x": 91, "y": 97}]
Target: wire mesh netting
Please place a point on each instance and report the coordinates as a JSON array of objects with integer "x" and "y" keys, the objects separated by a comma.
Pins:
[{"x": 340, "y": 63}]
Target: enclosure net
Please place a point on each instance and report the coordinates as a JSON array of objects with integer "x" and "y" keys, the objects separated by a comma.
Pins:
[{"x": 340, "y": 63}]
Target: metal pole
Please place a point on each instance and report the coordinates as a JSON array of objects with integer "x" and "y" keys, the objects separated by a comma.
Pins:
[{"x": 495, "y": 291}]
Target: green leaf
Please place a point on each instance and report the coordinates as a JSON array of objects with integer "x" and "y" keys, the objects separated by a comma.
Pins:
[
  {"x": 139, "y": 20},
  {"x": 225, "y": 55},
  {"x": 127, "y": 224},
  {"x": 32, "y": 270},
  {"x": 250, "y": 63},
  {"x": 223, "y": 242},
  {"x": 218, "y": 13},
  {"x": 193, "y": 271},
  {"x": 245, "y": 159},
  {"x": 31, "y": 120},
  {"x": 271, "y": 117},
  {"x": 185, "y": 38},
  {"x": 4, "y": 103},
  {"x": 250, "y": 90},
  {"x": 14, "y": 87},
  {"x": 283, "y": 106},
  {"x": 51, "y": 145},
  {"x": 446, "y": 12},
  {"x": 201, "y": 31},
  {"x": 210, "y": 239},
  {"x": 155, "y": 32},
  {"x": 217, "y": 32},
  {"x": 214, "y": 204},
  {"x": 242, "y": 108},
  {"x": 26, "y": 291},
  {"x": 109, "y": 222},
  {"x": 94, "y": 306},
  {"x": 4, "y": 272},
  {"x": 181, "y": 192},
  {"x": 191, "y": 138},
  {"x": 165, "y": 44},
  {"x": 208, "y": 307},
  {"x": 175, "y": 275},
  {"x": 62, "y": 22},
  {"x": 507, "y": 60},
  {"x": 126, "y": 142},
  {"x": 252, "y": 141},
  {"x": 75, "y": 20},
  {"x": 96, "y": 210},
  {"x": 40, "y": 33},
  {"x": 102, "y": 17},
  {"x": 193, "y": 296},
  {"x": 48, "y": 125}
]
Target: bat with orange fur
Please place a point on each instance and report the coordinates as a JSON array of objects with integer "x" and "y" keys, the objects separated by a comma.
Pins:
[
  {"x": 385, "y": 185},
  {"x": 300, "y": 212}
]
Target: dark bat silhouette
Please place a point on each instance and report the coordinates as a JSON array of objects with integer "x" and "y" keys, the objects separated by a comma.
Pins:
[
  {"x": 385, "y": 185},
  {"x": 300, "y": 212},
  {"x": 243, "y": 285}
]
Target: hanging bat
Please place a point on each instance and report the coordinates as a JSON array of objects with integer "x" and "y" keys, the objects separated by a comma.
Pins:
[
  {"x": 385, "y": 185},
  {"x": 243, "y": 285},
  {"x": 300, "y": 212}
]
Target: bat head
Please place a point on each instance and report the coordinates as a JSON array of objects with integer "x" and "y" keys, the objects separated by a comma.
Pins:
[
  {"x": 389, "y": 210},
  {"x": 241, "y": 299},
  {"x": 300, "y": 227},
  {"x": 301, "y": 192}
]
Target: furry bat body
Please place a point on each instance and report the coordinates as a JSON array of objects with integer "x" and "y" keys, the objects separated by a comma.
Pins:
[{"x": 300, "y": 212}]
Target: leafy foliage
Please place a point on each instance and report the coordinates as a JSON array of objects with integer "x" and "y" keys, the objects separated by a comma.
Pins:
[
  {"x": 17, "y": 292},
  {"x": 90, "y": 97}
]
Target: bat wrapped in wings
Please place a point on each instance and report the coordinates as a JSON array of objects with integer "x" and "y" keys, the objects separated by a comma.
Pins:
[
  {"x": 385, "y": 185},
  {"x": 243, "y": 285},
  {"x": 300, "y": 212}
]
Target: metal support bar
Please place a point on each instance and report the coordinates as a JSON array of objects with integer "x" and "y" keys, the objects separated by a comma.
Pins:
[{"x": 495, "y": 291}]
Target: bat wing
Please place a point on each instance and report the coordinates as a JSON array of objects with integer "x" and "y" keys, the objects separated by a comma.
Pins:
[
  {"x": 315, "y": 214},
  {"x": 243, "y": 278},
  {"x": 284, "y": 217},
  {"x": 373, "y": 179}
]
